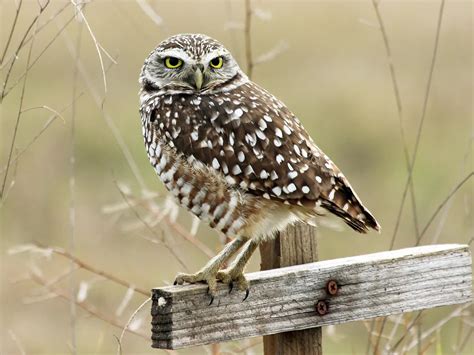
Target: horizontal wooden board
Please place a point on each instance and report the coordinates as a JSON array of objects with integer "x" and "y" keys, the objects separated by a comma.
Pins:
[{"x": 285, "y": 299}]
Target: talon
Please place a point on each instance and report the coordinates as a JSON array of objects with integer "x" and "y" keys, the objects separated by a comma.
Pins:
[
  {"x": 212, "y": 300},
  {"x": 247, "y": 291},
  {"x": 231, "y": 286}
]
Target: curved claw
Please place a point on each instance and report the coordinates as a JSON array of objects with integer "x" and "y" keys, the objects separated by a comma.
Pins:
[
  {"x": 212, "y": 300},
  {"x": 231, "y": 287},
  {"x": 247, "y": 291},
  {"x": 175, "y": 282}
]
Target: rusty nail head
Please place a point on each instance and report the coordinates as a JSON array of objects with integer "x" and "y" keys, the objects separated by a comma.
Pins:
[
  {"x": 321, "y": 307},
  {"x": 332, "y": 287}
]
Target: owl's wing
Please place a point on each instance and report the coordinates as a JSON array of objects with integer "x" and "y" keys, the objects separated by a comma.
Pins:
[{"x": 261, "y": 148}]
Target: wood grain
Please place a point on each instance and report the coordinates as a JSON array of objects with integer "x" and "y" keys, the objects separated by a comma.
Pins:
[
  {"x": 285, "y": 299},
  {"x": 295, "y": 246}
]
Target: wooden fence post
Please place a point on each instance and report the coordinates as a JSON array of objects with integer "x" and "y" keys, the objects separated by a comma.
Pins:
[{"x": 296, "y": 245}]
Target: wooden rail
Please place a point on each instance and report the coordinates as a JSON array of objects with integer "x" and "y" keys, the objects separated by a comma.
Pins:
[{"x": 312, "y": 295}]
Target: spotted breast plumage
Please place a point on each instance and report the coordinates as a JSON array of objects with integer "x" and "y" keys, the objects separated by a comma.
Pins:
[{"x": 233, "y": 154}]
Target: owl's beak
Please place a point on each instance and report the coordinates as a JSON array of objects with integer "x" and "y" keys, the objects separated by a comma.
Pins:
[{"x": 198, "y": 78}]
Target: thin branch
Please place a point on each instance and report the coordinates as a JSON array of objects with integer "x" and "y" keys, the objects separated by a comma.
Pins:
[
  {"x": 398, "y": 101},
  {"x": 88, "y": 308},
  {"x": 17, "y": 123},
  {"x": 37, "y": 30},
  {"x": 72, "y": 191},
  {"x": 12, "y": 30},
  {"x": 399, "y": 341},
  {"x": 441, "y": 205},
  {"x": 423, "y": 114},
  {"x": 15, "y": 55},
  {"x": 248, "y": 37},
  {"x": 94, "y": 270},
  {"x": 108, "y": 119},
  {"x": 51, "y": 119},
  {"x": 34, "y": 61},
  {"x": 97, "y": 45},
  {"x": 127, "y": 325},
  {"x": 152, "y": 231},
  {"x": 456, "y": 313}
]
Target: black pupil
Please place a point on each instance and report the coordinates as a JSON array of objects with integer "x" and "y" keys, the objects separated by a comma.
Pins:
[
  {"x": 216, "y": 61},
  {"x": 173, "y": 61}
]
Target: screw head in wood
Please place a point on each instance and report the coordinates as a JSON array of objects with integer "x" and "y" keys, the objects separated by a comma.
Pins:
[
  {"x": 332, "y": 287},
  {"x": 322, "y": 307}
]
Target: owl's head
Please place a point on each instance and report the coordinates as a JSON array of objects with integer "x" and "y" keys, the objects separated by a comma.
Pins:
[{"x": 189, "y": 63}]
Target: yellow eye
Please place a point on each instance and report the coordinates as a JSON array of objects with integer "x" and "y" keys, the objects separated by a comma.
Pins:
[
  {"x": 217, "y": 62},
  {"x": 173, "y": 62}
]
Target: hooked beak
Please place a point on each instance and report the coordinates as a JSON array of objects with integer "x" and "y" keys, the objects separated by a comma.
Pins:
[{"x": 198, "y": 78}]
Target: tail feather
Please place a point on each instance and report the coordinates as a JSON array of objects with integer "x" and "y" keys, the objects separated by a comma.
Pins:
[{"x": 344, "y": 203}]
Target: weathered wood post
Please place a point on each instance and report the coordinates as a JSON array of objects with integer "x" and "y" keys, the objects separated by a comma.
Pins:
[
  {"x": 296, "y": 245},
  {"x": 294, "y": 298}
]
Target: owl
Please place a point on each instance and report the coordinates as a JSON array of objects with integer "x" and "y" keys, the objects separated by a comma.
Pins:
[{"x": 234, "y": 155}]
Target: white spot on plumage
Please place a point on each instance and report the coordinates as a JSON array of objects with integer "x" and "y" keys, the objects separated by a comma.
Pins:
[
  {"x": 318, "y": 179},
  {"x": 305, "y": 189},
  {"x": 280, "y": 158},
  {"x": 236, "y": 170},
  {"x": 277, "y": 190},
  {"x": 278, "y": 132},
  {"x": 291, "y": 187},
  {"x": 292, "y": 174},
  {"x": 215, "y": 164},
  {"x": 331, "y": 194},
  {"x": 241, "y": 156}
]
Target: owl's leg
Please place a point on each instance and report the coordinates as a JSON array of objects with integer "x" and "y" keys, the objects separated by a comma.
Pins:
[
  {"x": 208, "y": 273},
  {"x": 234, "y": 274}
]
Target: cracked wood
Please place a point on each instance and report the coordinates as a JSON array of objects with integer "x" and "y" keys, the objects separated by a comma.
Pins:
[{"x": 285, "y": 299}]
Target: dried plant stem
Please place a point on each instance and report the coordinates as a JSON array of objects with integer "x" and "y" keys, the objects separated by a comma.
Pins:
[
  {"x": 248, "y": 38},
  {"x": 86, "y": 307},
  {"x": 38, "y": 29},
  {"x": 425, "y": 105},
  {"x": 120, "y": 340},
  {"x": 34, "y": 61},
  {"x": 15, "y": 55},
  {"x": 72, "y": 192},
  {"x": 398, "y": 101},
  {"x": 94, "y": 270},
  {"x": 12, "y": 30},
  {"x": 50, "y": 120},
  {"x": 17, "y": 124},
  {"x": 152, "y": 231},
  {"x": 442, "y": 204}
]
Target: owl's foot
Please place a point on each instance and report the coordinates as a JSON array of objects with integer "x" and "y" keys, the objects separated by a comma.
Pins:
[
  {"x": 235, "y": 279},
  {"x": 205, "y": 276}
]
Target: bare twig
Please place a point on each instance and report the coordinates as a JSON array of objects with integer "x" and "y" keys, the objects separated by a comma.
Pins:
[
  {"x": 86, "y": 307},
  {"x": 38, "y": 29},
  {"x": 423, "y": 114},
  {"x": 150, "y": 12},
  {"x": 120, "y": 340},
  {"x": 135, "y": 212},
  {"x": 456, "y": 313},
  {"x": 398, "y": 101},
  {"x": 248, "y": 37},
  {"x": 20, "y": 45},
  {"x": 12, "y": 30},
  {"x": 442, "y": 204},
  {"x": 88, "y": 267},
  {"x": 34, "y": 61},
  {"x": 51, "y": 119},
  {"x": 17, "y": 123},
  {"x": 97, "y": 45}
]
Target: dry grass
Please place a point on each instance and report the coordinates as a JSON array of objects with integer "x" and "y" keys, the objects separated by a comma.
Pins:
[{"x": 93, "y": 228}]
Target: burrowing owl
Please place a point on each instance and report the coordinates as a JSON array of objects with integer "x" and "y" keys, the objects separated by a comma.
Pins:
[{"x": 233, "y": 154}]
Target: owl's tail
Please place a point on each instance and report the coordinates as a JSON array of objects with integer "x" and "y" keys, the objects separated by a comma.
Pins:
[{"x": 345, "y": 204}]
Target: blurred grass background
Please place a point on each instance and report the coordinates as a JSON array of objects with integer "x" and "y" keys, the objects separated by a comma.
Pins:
[{"x": 334, "y": 75}]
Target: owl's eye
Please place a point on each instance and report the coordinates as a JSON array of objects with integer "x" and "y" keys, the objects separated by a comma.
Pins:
[
  {"x": 217, "y": 62},
  {"x": 173, "y": 62}
]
